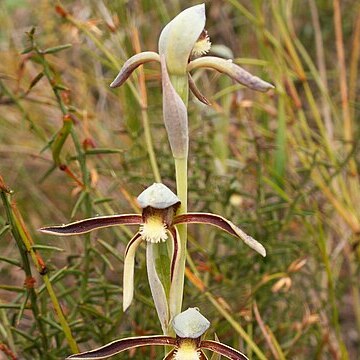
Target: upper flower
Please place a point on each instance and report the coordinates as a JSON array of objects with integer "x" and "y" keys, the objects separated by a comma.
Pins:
[
  {"x": 189, "y": 327},
  {"x": 182, "y": 39}
]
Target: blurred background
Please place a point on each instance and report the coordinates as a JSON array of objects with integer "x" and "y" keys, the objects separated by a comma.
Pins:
[{"x": 282, "y": 165}]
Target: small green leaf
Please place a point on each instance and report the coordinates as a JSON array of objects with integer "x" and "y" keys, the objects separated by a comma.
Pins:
[
  {"x": 61, "y": 87},
  {"x": 103, "y": 200},
  {"x": 56, "y": 49},
  {"x": 35, "y": 80},
  {"x": 10, "y": 261},
  {"x": 111, "y": 249},
  {"x": 11, "y": 306},
  {"x": 101, "y": 151},
  {"x": 79, "y": 201},
  {"x": 4, "y": 230},
  {"x": 12, "y": 288},
  {"x": 60, "y": 139},
  {"x": 91, "y": 310},
  {"x": 46, "y": 247},
  {"x": 105, "y": 259},
  {"x": 27, "y": 50}
]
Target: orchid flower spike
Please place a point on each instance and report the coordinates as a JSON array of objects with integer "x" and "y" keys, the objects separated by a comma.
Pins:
[
  {"x": 182, "y": 41},
  {"x": 157, "y": 223},
  {"x": 189, "y": 327}
]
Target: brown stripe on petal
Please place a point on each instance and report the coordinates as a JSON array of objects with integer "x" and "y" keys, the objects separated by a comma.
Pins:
[
  {"x": 223, "y": 350},
  {"x": 170, "y": 355},
  {"x": 131, "y": 242},
  {"x": 205, "y": 218},
  {"x": 202, "y": 356},
  {"x": 222, "y": 223},
  {"x": 194, "y": 89},
  {"x": 87, "y": 225},
  {"x": 176, "y": 278},
  {"x": 176, "y": 250},
  {"x": 118, "y": 346}
]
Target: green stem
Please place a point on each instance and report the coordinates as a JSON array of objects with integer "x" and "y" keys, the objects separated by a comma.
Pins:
[
  {"x": 27, "y": 269},
  {"x": 181, "y": 186},
  {"x": 181, "y": 85},
  {"x": 64, "y": 324}
]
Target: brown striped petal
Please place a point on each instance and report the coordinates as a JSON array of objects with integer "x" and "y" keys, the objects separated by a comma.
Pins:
[
  {"x": 87, "y": 225},
  {"x": 176, "y": 251},
  {"x": 234, "y": 71},
  {"x": 222, "y": 223},
  {"x": 222, "y": 349},
  {"x": 197, "y": 92},
  {"x": 118, "y": 346},
  {"x": 128, "y": 277},
  {"x": 131, "y": 64},
  {"x": 174, "y": 270}
]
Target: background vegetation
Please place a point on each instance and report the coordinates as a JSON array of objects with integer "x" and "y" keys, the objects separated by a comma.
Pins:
[{"x": 282, "y": 165}]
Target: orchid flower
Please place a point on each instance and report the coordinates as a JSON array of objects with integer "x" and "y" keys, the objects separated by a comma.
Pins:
[
  {"x": 182, "y": 42},
  {"x": 156, "y": 224},
  {"x": 189, "y": 327}
]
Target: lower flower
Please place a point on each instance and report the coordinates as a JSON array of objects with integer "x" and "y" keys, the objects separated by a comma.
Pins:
[{"x": 186, "y": 347}]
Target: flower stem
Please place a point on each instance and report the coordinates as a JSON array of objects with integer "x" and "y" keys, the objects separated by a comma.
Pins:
[
  {"x": 181, "y": 86},
  {"x": 181, "y": 186}
]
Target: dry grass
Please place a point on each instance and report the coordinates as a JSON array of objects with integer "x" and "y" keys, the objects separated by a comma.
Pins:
[{"x": 284, "y": 166}]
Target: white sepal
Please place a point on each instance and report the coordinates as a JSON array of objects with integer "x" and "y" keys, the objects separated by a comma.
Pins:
[
  {"x": 190, "y": 324},
  {"x": 179, "y": 36},
  {"x": 157, "y": 196}
]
